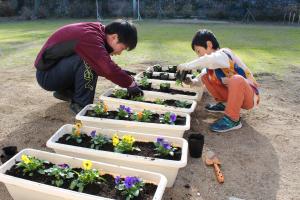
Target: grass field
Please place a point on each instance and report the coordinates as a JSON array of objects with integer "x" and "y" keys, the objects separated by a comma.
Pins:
[{"x": 264, "y": 48}]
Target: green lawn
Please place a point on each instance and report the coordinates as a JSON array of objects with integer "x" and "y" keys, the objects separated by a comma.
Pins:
[{"x": 269, "y": 48}]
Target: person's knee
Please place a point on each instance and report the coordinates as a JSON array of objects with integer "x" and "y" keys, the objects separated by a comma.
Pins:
[
  {"x": 237, "y": 80},
  {"x": 40, "y": 77}
]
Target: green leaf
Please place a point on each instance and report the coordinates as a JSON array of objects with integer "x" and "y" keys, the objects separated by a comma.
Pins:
[
  {"x": 78, "y": 140},
  {"x": 80, "y": 189},
  {"x": 73, "y": 184},
  {"x": 136, "y": 193}
]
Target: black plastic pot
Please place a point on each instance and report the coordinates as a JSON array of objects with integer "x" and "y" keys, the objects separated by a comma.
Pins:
[
  {"x": 172, "y": 69},
  {"x": 148, "y": 74},
  {"x": 181, "y": 75},
  {"x": 157, "y": 68},
  {"x": 164, "y": 88},
  {"x": 8, "y": 153},
  {"x": 146, "y": 87},
  {"x": 196, "y": 142},
  {"x": 164, "y": 76}
]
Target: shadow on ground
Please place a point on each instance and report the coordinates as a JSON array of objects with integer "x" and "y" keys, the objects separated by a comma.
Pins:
[{"x": 249, "y": 163}]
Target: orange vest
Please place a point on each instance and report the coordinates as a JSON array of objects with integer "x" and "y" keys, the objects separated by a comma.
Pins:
[{"x": 216, "y": 75}]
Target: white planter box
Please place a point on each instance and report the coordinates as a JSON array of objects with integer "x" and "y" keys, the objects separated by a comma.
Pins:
[
  {"x": 21, "y": 189},
  {"x": 168, "y": 168},
  {"x": 115, "y": 102},
  {"x": 139, "y": 76},
  {"x": 164, "y": 95},
  {"x": 134, "y": 126}
]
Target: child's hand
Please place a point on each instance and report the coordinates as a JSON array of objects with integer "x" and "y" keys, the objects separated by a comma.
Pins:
[
  {"x": 188, "y": 81},
  {"x": 192, "y": 82}
]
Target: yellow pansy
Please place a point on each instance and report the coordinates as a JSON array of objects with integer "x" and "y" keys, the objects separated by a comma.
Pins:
[
  {"x": 77, "y": 132},
  {"x": 115, "y": 141},
  {"x": 128, "y": 139},
  {"x": 87, "y": 164},
  {"x": 25, "y": 159},
  {"x": 78, "y": 125},
  {"x": 105, "y": 107},
  {"x": 139, "y": 115},
  {"x": 115, "y": 136}
]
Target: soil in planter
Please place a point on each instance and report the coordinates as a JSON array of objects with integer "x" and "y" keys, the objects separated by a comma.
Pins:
[
  {"x": 168, "y": 102},
  {"x": 172, "y": 91},
  {"x": 147, "y": 148},
  {"x": 114, "y": 114},
  {"x": 106, "y": 189}
]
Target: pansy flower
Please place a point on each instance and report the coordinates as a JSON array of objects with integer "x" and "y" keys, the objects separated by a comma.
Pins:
[{"x": 87, "y": 164}]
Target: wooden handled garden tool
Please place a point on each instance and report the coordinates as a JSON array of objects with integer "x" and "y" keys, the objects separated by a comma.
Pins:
[{"x": 211, "y": 159}]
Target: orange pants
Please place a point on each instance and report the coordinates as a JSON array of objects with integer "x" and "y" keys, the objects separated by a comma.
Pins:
[{"x": 237, "y": 93}]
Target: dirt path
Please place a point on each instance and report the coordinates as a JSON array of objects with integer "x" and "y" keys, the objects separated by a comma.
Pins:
[{"x": 260, "y": 161}]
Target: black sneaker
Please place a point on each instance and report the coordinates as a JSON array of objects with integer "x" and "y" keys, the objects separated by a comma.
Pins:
[
  {"x": 65, "y": 95},
  {"x": 75, "y": 108},
  {"x": 219, "y": 107}
]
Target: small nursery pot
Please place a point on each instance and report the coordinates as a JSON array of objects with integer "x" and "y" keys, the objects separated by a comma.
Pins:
[
  {"x": 148, "y": 74},
  {"x": 157, "y": 68},
  {"x": 196, "y": 142},
  {"x": 146, "y": 87},
  {"x": 8, "y": 153},
  {"x": 181, "y": 75},
  {"x": 10, "y": 150},
  {"x": 164, "y": 87},
  {"x": 172, "y": 69},
  {"x": 164, "y": 76}
]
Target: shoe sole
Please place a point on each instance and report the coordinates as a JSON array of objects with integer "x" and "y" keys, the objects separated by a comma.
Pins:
[
  {"x": 214, "y": 111},
  {"x": 233, "y": 128}
]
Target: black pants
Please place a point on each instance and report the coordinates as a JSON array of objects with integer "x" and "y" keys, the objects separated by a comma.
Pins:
[{"x": 70, "y": 73}]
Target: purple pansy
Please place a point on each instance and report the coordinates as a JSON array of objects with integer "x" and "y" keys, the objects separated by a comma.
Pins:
[
  {"x": 117, "y": 180},
  {"x": 159, "y": 140},
  {"x": 131, "y": 181},
  {"x": 126, "y": 109},
  {"x": 166, "y": 145},
  {"x": 64, "y": 166},
  {"x": 93, "y": 133},
  {"x": 173, "y": 117}
]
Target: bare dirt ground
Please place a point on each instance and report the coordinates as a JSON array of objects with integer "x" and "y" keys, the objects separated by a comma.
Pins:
[{"x": 259, "y": 161}]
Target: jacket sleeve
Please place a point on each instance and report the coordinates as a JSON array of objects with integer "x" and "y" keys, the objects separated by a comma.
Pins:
[
  {"x": 215, "y": 60},
  {"x": 92, "y": 50}
]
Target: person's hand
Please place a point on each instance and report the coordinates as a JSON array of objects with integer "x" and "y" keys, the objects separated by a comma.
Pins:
[
  {"x": 188, "y": 81},
  {"x": 192, "y": 82},
  {"x": 135, "y": 91}
]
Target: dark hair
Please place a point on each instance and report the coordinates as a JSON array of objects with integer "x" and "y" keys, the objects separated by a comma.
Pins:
[
  {"x": 202, "y": 36},
  {"x": 126, "y": 32}
]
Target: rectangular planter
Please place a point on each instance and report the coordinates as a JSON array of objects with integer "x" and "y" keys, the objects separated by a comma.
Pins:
[
  {"x": 144, "y": 105},
  {"x": 140, "y": 127},
  {"x": 164, "y": 95},
  {"x": 168, "y": 168},
  {"x": 21, "y": 189},
  {"x": 139, "y": 76}
]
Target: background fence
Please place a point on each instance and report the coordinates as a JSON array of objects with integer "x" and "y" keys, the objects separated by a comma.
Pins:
[{"x": 271, "y": 10}]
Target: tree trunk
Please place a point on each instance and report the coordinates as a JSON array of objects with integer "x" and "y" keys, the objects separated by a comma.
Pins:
[{"x": 36, "y": 8}]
